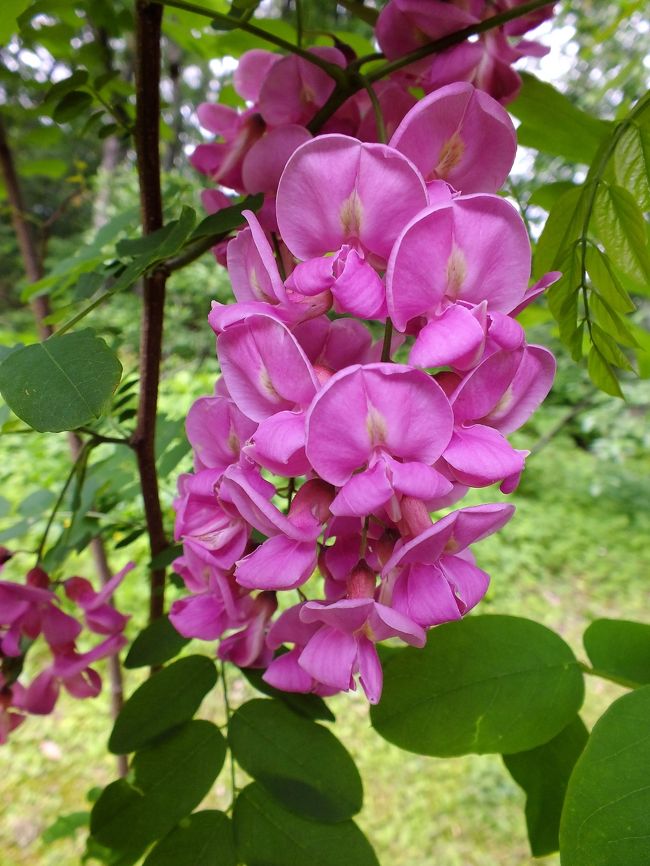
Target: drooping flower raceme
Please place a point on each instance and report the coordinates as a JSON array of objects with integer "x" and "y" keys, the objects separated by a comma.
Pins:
[
  {"x": 31, "y": 611},
  {"x": 329, "y": 446}
]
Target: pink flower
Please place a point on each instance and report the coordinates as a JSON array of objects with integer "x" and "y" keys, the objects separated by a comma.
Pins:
[
  {"x": 247, "y": 648},
  {"x": 99, "y": 614}
]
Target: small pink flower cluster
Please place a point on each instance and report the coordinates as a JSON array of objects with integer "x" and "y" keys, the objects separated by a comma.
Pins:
[
  {"x": 409, "y": 234},
  {"x": 486, "y": 62},
  {"x": 31, "y": 610},
  {"x": 284, "y": 93}
]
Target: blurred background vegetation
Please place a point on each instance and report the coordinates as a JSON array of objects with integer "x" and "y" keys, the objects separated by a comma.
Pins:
[{"x": 576, "y": 549}]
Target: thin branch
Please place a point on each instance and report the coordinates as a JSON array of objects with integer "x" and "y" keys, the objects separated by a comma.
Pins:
[
  {"x": 612, "y": 678},
  {"x": 81, "y": 456},
  {"x": 148, "y": 20},
  {"x": 382, "y": 137},
  {"x": 331, "y": 69}
]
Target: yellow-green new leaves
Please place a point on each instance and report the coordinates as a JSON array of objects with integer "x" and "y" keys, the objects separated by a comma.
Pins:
[{"x": 597, "y": 236}]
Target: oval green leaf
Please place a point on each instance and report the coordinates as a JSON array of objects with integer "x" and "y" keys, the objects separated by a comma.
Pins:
[
  {"x": 544, "y": 774},
  {"x": 266, "y": 834},
  {"x": 172, "y": 777},
  {"x": 61, "y": 383},
  {"x": 310, "y": 706},
  {"x": 203, "y": 839},
  {"x": 299, "y": 762},
  {"x": 169, "y": 698},
  {"x": 606, "y": 816},
  {"x": 156, "y": 644},
  {"x": 484, "y": 684},
  {"x": 74, "y": 103},
  {"x": 621, "y": 649}
]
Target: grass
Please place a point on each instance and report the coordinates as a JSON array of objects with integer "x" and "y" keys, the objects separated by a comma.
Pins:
[{"x": 575, "y": 550}]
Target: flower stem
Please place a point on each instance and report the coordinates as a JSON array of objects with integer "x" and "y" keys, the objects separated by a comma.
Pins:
[{"x": 388, "y": 339}]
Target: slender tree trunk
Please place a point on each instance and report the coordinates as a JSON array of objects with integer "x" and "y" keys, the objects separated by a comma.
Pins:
[
  {"x": 148, "y": 19},
  {"x": 33, "y": 265}
]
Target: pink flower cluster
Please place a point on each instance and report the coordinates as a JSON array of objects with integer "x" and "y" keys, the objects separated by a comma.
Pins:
[
  {"x": 32, "y": 610},
  {"x": 318, "y": 461},
  {"x": 283, "y": 93}
]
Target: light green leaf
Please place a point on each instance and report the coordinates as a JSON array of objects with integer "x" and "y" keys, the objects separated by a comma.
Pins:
[
  {"x": 61, "y": 383},
  {"x": 601, "y": 373},
  {"x": 632, "y": 162},
  {"x": 621, "y": 228}
]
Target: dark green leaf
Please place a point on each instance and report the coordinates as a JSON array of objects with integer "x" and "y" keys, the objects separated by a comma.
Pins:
[
  {"x": 166, "y": 557},
  {"x": 552, "y": 123},
  {"x": 61, "y": 383},
  {"x": 163, "y": 243},
  {"x": 482, "y": 684},
  {"x": 72, "y": 105},
  {"x": 266, "y": 834},
  {"x": 299, "y": 762},
  {"x": 606, "y": 816},
  {"x": 155, "y": 644},
  {"x": 227, "y": 219},
  {"x": 203, "y": 839},
  {"x": 544, "y": 773},
  {"x": 309, "y": 706},
  {"x": 77, "y": 79},
  {"x": 169, "y": 698},
  {"x": 172, "y": 776},
  {"x": 620, "y": 648}
]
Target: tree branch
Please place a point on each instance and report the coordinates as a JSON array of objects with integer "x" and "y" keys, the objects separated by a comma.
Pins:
[{"x": 148, "y": 21}]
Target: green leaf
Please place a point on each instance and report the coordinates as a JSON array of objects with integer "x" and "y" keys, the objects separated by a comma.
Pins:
[
  {"x": 606, "y": 816},
  {"x": 11, "y": 10},
  {"x": 74, "y": 103},
  {"x": 169, "y": 698},
  {"x": 227, "y": 219},
  {"x": 621, "y": 228},
  {"x": 602, "y": 373},
  {"x": 309, "y": 706},
  {"x": 620, "y": 648},
  {"x": 300, "y": 763},
  {"x": 632, "y": 162},
  {"x": 545, "y": 196},
  {"x": 54, "y": 168},
  {"x": 563, "y": 227},
  {"x": 605, "y": 282},
  {"x": 482, "y": 684},
  {"x": 61, "y": 383},
  {"x": 266, "y": 834},
  {"x": 163, "y": 243},
  {"x": 550, "y": 122},
  {"x": 171, "y": 778},
  {"x": 65, "y": 826},
  {"x": 157, "y": 643},
  {"x": 203, "y": 839},
  {"x": 544, "y": 773}
]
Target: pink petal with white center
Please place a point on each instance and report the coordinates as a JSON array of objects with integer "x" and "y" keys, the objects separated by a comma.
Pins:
[
  {"x": 265, "y": 161},
  {"x": 484, "y": 387},
  {"x": 364, "y": 493},
  {"x": 278, "y": 563},
  {"x": 470, "y": 582},
  {"x": 336, "y": 190},
  {"x": 461, "y": 135},
  {"x": 264, "y": 368},
  {"x": 85, "y": 684},
  {"x": 389, "y": 406},
  {"x": 456, "y": 338},
  {"x": 217, "y": 431},
  {"x": 279, "y": 444},
  {"x": 480, "y": 456},
  {"x": 252, "y": 267},
  {"x": 252, "y": 71},
  {"x": 329, "y": 657},
  {"x": 529, "y": 387},
  {"x": 285, "y": 673}
]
